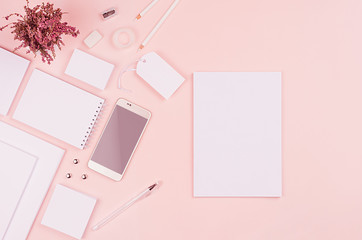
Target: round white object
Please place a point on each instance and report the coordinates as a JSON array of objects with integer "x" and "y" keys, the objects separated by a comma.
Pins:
[{"x": 131, "y": 37}]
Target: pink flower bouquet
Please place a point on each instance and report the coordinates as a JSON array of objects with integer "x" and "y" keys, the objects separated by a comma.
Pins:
[{"x": 40, "y": 30}]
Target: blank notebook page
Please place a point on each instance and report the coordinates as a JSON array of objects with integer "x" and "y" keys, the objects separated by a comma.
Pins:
[
  {"x": 237, "y": 134},
  {"x": 58, "y": 108}
]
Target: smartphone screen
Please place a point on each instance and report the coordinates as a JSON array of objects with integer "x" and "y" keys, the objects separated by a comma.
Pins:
[{"x": 119, "y": 139}]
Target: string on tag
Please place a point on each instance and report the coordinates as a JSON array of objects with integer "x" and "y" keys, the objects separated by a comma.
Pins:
[{"x": 127, "y": 69}]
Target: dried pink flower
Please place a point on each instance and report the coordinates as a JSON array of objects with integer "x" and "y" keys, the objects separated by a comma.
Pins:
[{"x": 40, "y": 29}]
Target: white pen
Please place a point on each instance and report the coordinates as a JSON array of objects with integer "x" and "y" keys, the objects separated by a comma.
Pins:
[
  {"x": 158, "y": 25},
  {"x": 114, "y": 214},
  {"x": 141, "y": 14}
]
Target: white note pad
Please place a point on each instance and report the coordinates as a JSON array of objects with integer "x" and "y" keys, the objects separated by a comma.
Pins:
[
  {"x": 15, "y": 171},
  {"x": 237, "y": 134},
  {"x": 48, "y": 159},
  {"x": 89, "y": 69},
  {"x": 159, "y": 74},
  {"x": 69, "y": 211},
  {"x": 58, "y": 108},
  {"x": 12, "y": 70}
]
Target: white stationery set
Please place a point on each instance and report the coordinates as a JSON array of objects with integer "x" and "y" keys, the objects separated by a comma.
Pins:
[{"x": 237, "y": 134}]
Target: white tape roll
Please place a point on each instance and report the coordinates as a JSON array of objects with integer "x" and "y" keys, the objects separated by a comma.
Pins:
[{"x": 131, "y": 37}]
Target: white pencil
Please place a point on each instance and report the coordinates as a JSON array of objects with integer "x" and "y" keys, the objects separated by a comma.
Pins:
[
  {"x": 158, "y": 25},
  {"x": 141, "y": 14}
]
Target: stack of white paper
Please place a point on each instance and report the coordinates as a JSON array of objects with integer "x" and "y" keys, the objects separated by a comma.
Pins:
[{"x": 48, "y": 159}]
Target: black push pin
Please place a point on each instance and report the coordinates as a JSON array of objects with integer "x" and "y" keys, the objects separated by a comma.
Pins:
[
  {"x": 68, "y": 175},
  {"x": 84, "y": 176},
  {"x": 75, "y": 161}
]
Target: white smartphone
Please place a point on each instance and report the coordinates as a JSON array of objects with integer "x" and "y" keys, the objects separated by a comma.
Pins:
[{"x": 119, "y": 139}]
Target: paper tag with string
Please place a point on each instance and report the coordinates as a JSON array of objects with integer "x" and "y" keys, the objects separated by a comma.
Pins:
[{"x": 158, "y": 74}]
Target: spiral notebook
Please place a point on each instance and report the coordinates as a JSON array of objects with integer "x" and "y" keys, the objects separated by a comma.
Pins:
[{"x": 58, "y": 109}]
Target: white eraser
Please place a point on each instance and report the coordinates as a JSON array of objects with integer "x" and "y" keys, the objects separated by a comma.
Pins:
[{"x": 93, "y": 39}]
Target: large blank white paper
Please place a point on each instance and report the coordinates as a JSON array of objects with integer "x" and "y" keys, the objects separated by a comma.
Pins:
[
  {"x": 12, "y": 70},
  {"x": 49, "y": 157},
  {"x": 237, "y": 134},
  {"x": 89, "y": 69},
  {"x": 69, "y": 211},
  {"x": 15, "y": 171},
  {"x": 58, "y": 108}
]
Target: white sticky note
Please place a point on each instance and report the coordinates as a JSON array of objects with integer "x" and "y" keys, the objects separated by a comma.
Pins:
[
  {"x": 237, "y": 134},
  {"x": 89, "y": 69},
  {"x": 69, "y": 211},
  {"x": 15, "y": 172},
  {"x": 159, "y": 74},
  {"x": 12, "y": 70}
]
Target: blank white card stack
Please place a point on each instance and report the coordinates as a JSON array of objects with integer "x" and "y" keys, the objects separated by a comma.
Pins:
[{"x": 237, "y": 134}]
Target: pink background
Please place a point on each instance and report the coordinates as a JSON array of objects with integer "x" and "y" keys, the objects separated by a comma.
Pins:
[{"x": 317, "y": 47}]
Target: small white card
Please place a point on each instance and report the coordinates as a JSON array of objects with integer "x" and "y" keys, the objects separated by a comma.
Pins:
[
  {"x": 89, "y": 69},
  {"x": 159, "y": 74},
  {"x": 69, "y": 211}
]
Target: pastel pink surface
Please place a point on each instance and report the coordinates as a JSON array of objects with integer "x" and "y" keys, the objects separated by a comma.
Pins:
[{"x": 317, "y": 47}]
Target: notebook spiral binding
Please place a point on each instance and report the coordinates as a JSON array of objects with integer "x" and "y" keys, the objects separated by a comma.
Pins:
[{"x": 91, "y": 126}]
